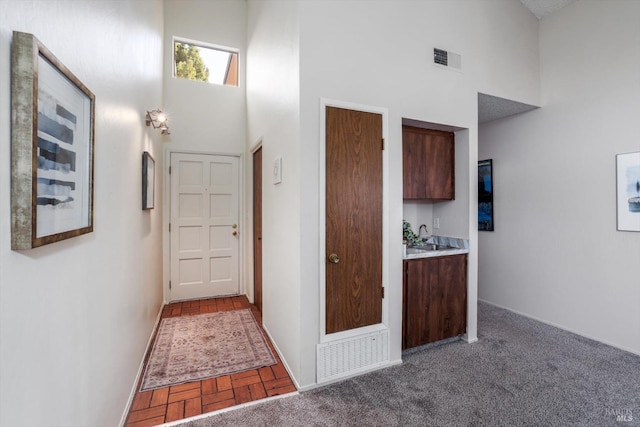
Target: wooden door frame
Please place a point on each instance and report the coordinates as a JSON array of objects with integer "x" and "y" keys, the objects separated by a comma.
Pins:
[
  {"x": 324, "y": 103},
  {"x": 166, "y": 217},
  {"x": 250, "y": 230}
]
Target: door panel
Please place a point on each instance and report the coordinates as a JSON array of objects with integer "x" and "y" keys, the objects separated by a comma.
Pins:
[
  {"x": 204, "y": 218},
  {"x": 257, "y": 228},
  {"x": 413, "y": 159},
  {"x": 436, "y": 304},
  {"x": 421, "y": 291},
  {"x": 428, "y": 164},
  {"x": 454, "y": 269},
  {"x": 353, "y": 219}
]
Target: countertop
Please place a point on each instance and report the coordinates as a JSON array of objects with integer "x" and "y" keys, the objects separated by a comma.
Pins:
[
  {"x": 459, "y": 246},
  {"x": 421, "y": 253}
]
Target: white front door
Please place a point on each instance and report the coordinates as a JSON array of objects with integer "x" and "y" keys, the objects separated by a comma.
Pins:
[{"x": 204, "y": 226}]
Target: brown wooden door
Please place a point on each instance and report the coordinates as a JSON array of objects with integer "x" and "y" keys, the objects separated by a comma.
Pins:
[
  {"x": 428, "y": 164},
  {"x": 257, "y": 228},
  {"x": 353, "y": 219}
]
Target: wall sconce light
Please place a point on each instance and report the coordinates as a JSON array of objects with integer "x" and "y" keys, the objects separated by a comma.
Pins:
[{"x": 158, "y": 120}]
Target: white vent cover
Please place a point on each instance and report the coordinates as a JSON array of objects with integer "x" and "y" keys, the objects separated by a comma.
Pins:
[
  {"x": 447, "y": 59},
  {"x": 352, "y": 355}
]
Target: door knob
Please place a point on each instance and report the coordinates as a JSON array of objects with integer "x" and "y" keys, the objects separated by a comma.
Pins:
[
  {"x": 235, "y": 233},
  {"x": 334, "y": 258},
  {"x": 234, "y": 226}
]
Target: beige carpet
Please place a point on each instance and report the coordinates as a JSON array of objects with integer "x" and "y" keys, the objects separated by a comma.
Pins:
[
  {"x": 520, "y": 373},
  {"x": 192, "y": 348}
]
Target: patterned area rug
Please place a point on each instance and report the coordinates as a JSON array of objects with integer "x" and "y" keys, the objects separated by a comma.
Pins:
[{"x": 192, "y": 348}]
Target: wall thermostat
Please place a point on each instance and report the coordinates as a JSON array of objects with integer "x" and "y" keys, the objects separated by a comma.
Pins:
[{"x": 277, "y": 170}]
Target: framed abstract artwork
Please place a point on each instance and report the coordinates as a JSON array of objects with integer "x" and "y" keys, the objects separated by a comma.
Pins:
[
  {"x": 52, "y": 138},
  {"x": 628, "y": 191},
  {"x": 485, "y": 195},
  {"x": 148, "y": 181}
]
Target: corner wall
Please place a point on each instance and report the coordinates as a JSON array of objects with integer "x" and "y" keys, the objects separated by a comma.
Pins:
[
  {"x": 555, "y": 254},
  {"x": 380, "y": 53},
  {"x": 273, "y": 107},
  {"x": 75, "y": 316}
]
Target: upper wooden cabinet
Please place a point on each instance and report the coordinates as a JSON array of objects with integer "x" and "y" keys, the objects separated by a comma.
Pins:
[{"x": 428, "y": 164}]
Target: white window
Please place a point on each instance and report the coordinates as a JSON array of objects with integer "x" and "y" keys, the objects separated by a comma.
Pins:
[{"x": 199, "y": 61}]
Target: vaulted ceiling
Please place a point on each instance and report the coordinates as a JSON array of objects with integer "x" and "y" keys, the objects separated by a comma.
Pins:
[
  {"x": 542, "y": 8},
  {"x": 492, "y": 107}
]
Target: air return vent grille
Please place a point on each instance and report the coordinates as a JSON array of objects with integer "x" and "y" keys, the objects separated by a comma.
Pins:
[
  {"x": 349, "y": 356},
  {"x": 440, "y": 57},
  {"x": 447, "y": 59}
]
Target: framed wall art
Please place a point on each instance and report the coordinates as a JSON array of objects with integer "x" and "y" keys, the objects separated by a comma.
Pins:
[
  {"x": 628, "y": 190},
  {"x": 148, "y": 181},
  {"x": 52, "y": 138},
  {"x": 485, "y": 195}
]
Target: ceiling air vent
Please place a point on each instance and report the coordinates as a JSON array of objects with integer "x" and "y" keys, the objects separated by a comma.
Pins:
[{"x": 447, "y": 59}]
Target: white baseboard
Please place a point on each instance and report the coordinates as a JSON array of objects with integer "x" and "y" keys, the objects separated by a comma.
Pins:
[
  {"x": 134, "y": 389},
  {"x": 359, "y": 373},
  {"x": 316, "y": 385},
  {"x": 282, "y": 359},
  {"x": 564, "y": 328},
  {"x": 468, "y": 340}
]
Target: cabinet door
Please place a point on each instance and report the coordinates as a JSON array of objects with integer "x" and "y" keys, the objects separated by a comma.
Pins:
[
  {"x": 413, "y": 168},
  {"x": 439, "y": 166},
  {"x": 450, "y": 302},
  {"x": 422, "y": 277},
  {"x": 434, "y": 300},
  {"x": 428, "y": 162},
  {"x": 405, "y": 266}
]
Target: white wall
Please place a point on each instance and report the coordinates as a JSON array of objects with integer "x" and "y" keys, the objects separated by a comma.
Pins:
[
  {"x": 418, "y": 212},
  {"x": 379, "y": 53},
  {"x": 555, "y": 254},
  {"x": 273, "y": 94},
  {"x": 455, "y": 215},
  {"x": 206, "y": 117},
  {"x": 75, "y": 316}
]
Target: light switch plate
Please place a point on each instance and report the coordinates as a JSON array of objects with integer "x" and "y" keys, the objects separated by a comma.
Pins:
[{"x": 277, "y": 170}]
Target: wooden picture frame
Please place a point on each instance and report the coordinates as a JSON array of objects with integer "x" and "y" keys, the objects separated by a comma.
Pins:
[
  {"x": 52, "y": 148},
  {"x": 148, "y": 181},
  {"x": 485, "y": 195},
  {"x": 628, "y": 191}
]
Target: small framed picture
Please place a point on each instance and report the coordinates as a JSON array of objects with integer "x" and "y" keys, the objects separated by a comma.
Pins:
[
  {"x": 148, "y": 181},
  {"x": 628, "y": 183},
  {"x": 485, "y": 195}
]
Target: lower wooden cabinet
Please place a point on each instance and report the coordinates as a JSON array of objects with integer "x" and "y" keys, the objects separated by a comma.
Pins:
[{"x": 434, "y": 299}]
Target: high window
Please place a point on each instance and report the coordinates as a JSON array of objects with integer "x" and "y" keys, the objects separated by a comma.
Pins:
[{"x": 203, "y": 62}]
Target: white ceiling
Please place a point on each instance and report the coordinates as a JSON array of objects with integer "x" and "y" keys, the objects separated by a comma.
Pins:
[
  {"x": 542, "y": 8},
  {"x": 492, "y": 107}
]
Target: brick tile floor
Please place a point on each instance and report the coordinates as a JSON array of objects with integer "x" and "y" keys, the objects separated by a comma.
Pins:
[{"x": 150, "y": 408}]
